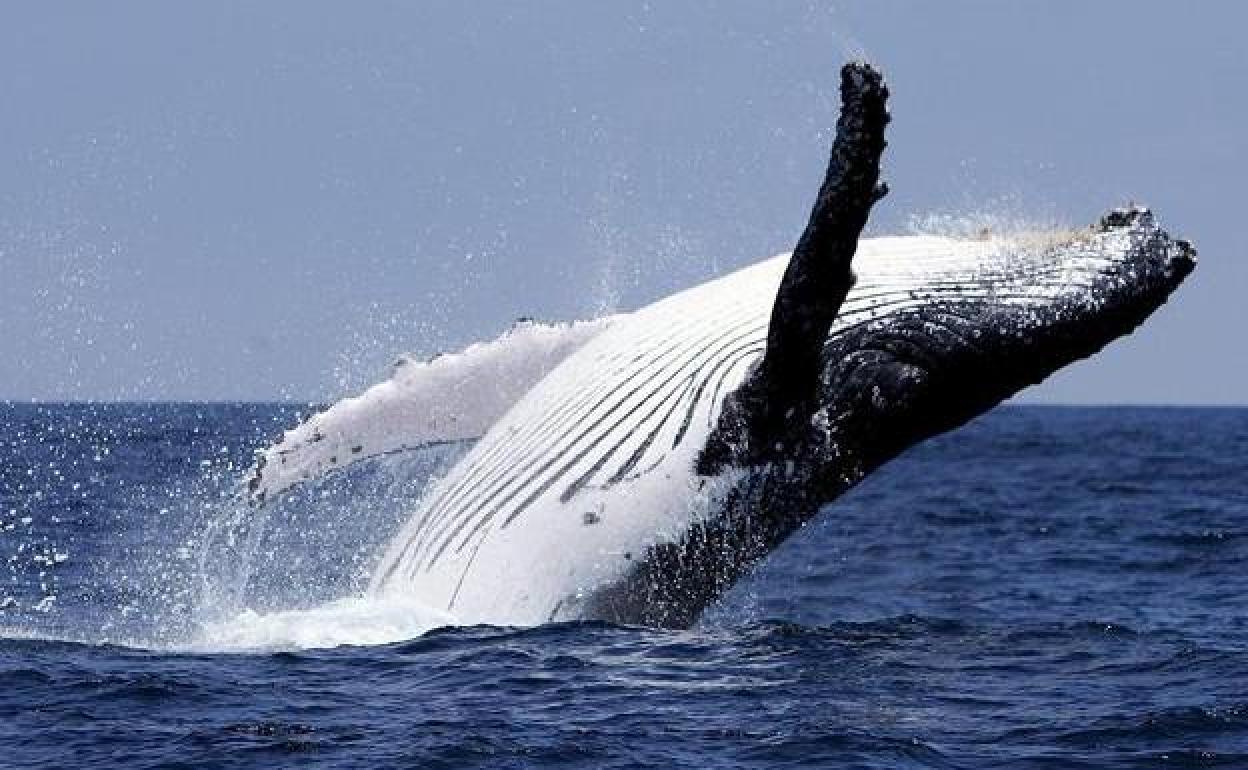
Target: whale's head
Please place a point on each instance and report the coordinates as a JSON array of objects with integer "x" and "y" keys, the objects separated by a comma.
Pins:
[{"x": 975, "y": 330}]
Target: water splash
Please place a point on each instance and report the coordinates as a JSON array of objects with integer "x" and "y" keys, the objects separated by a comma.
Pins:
[
  {"x": 121, "y": 524},
  {"x": 293, "y": 573},
  {"x": 364, "y": 620},
  {"x": 1004, "y": 216}
]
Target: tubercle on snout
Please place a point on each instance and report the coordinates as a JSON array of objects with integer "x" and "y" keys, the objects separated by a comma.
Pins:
[
  {"x": 1129, "y": 216},
  {"x": 1179, "y": 253}
]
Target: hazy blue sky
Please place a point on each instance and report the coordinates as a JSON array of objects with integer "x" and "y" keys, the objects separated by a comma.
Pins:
[{"x": 263, "y": 200}]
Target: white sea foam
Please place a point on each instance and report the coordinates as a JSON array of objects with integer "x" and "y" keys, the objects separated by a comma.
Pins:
[
  {"x": 350, "y": 621},
  {"x": 355, "y": 621}
]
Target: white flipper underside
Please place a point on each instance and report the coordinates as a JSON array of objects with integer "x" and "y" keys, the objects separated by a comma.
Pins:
[{"x": 452, "y": 397}]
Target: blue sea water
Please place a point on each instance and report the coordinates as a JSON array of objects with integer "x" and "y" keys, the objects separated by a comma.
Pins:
[{"x": 1044, "y": 588}]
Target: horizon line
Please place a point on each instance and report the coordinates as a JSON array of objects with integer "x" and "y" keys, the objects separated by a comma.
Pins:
[{"x": 314, "y": 403}]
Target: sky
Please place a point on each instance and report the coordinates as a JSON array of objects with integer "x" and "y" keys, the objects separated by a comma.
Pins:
[{"x": 223, "y": 201}]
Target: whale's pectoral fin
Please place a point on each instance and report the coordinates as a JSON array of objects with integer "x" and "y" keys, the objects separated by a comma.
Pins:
[
  {"x": 450, "y": 398},
  {"x": 775, "y": 403}
]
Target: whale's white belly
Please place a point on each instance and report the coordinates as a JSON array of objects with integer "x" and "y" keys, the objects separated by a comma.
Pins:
[{"x": 590, "y": 466}]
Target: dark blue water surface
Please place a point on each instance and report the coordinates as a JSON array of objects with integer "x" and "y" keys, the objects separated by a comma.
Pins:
[{"x": 1047, "y": 587}]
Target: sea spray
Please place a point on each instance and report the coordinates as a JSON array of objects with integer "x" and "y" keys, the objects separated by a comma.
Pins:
[
  {"x": 170, "y": 557},
  {"x": 293, "y": 572}
]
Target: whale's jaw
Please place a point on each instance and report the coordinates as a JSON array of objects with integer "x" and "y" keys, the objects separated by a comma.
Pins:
[{"x": 982, "y": 334}]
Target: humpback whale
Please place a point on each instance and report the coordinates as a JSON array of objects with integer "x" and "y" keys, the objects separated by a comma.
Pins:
[{"x": 632, "y": 468}]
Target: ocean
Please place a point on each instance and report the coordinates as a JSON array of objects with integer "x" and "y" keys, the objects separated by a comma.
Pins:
[{"x": 1047, "y": 587}]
